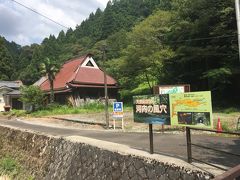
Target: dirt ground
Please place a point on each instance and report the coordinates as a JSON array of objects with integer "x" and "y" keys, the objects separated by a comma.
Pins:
[{"x": 97, "y": 121}]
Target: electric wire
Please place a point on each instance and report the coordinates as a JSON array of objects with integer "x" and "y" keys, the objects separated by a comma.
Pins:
[
  {"x": 159, "y": 37},
  {"x": 204, "y": 38},
  {"x": 39, "y": 14}
]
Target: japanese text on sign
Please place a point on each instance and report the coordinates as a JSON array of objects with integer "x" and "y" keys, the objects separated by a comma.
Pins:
[{"x": 151, "y": 108}]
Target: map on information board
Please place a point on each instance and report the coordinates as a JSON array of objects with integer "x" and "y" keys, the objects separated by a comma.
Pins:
[{"x": 192, "y": 109}]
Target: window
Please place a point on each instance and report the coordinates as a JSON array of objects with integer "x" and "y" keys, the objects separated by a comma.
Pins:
[{"x": 89, "y": 64}]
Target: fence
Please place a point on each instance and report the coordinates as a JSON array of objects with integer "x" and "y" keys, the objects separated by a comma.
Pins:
[
  {"x": 233, "y": 173},
  {"x": 190, "y": 144}
]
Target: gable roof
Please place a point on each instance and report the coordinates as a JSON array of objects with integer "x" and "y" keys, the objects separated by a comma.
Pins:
[
  {"x": 2, "y": 88},
  {"x": 11, "y": 84},
  {"x": 75, "y": 73},
  {"x": 40, "y": 81},
  {"x": 14, "y": 92}
]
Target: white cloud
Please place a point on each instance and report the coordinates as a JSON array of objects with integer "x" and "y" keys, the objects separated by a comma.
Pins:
[
  {"x": 103, "y": 2},
  {"x": 23, "y": 39},
  {"x": 24, "y": 27}
]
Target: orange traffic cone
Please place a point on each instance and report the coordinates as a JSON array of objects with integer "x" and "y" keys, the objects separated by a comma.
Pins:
[{"x": 219, "y": 126}]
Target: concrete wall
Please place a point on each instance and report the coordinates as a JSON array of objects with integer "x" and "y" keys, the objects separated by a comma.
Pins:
[
  {"x": 2, "y": 103},
  {"x": 84, "y": 158},
  {"x": 2, "y": 100}
]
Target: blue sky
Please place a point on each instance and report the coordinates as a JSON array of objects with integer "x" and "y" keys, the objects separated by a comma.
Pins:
[{"x": 24, "y": 27}]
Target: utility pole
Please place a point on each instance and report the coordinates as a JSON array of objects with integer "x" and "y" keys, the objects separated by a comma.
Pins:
[
  {"x": 105, "y": 88},
  {"x": 238, "y": 25}
]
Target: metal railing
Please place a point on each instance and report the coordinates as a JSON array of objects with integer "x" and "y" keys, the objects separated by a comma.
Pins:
[
  {"x": 233, "y": 173},
  {"x": 238, "y": 124},
  {"x": 190, "y": 144}
]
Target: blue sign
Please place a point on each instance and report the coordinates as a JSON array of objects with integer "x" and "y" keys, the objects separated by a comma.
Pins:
[{"x": 117, "y": 107}]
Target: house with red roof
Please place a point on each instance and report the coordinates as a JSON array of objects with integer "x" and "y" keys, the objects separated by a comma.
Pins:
[{"x": 79, "y": 80}]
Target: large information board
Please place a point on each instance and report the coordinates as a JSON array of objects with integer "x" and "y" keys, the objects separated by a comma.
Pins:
[
  {"x": 152, "y": 109},
  {"x": 194, "y": 109},
  {"x": 191, "y": 109}
]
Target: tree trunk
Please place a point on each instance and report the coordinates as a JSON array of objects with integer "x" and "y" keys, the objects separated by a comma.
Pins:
[
  {"x": 33, "y": 108},
  {"x": 51, "y": 92},
  {"x": 149, "y": 85}
]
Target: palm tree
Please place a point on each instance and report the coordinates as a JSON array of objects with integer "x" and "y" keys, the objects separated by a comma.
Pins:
[{"x": 50, "y": 68}]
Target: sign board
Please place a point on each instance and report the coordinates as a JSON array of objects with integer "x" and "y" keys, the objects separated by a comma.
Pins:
[
  {"x": 117, "y": 107},
  {"x": 117, "y": 110},
  {"x": 171, "y": 89},
  {"x": 191, "y": 109},
  {"x": 152, "y": 109}
]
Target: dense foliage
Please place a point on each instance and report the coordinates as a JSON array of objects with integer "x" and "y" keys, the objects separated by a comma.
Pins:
[
  {"x": 32, "y": 96},
  {"x": 147, "y": 42},
  {"x": 49, "y": 67}
]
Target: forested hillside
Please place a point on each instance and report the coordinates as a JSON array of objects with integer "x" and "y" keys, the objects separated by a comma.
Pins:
[{"x": 147, "y": 42}]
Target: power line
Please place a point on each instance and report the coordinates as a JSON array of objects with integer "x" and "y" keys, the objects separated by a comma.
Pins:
[
  {"x": 189, "y": 40},
  {"x": 204, "y": 38},
  {"x": 39, "y": 14},
  {"x": 159, "y": 37}
]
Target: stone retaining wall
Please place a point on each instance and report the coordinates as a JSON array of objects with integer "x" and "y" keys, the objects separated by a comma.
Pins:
[{"x": 69, "y": 158}]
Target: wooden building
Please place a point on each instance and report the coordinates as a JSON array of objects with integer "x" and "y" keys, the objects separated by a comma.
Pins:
[{"x": 79, "y": 80}]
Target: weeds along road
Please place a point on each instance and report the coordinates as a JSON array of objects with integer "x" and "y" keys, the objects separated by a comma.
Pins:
[{"x": 173, "y": 145}]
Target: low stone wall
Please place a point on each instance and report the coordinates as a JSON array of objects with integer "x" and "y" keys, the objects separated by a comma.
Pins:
[
  {"x": 31, "y": 149},
  {"x": 77, "y": 157}
]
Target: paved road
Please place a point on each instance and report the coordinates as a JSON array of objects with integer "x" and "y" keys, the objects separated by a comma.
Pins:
[{"x": 167, "y": 144}]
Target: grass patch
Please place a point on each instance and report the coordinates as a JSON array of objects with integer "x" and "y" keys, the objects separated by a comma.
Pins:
[
  {"x": 56, "y": 109},
  {"x": 226, "y": 126},
  {"x": 17, "y": 113},
  {"x": 229, "y": 110},
  {"x": 9, "y": 166}
]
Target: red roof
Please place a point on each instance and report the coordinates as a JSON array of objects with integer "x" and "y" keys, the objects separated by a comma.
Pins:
[
  {"x": 92, "y": 76},
  {"x": 73, "y": 73}
]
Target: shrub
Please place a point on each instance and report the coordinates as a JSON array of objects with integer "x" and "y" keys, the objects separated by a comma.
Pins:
[
  {"x": 32, "y": 96},
  {"x": 142, "y": 89}
]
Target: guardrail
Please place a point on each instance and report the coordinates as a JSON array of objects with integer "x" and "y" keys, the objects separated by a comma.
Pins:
[
  {"x": 238, "y": 124},
  {"x": 190, "y": 144},
  {"x": 233, "y": 173}
]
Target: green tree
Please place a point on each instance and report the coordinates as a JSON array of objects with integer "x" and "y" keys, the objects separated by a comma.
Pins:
[
  {"x": 203, "y": 36},
  {"x": 116, "y": 43},
  {"x": 145, "y": 54},
  {"x": 32, "y": 96},
  {"x": 61, "y": 37},
  {"x": 6, "y": 62},
  {"x": 49, "y": 67},
  {"x": 51, "y": 48},
  {"x": 109, "y": 21}
]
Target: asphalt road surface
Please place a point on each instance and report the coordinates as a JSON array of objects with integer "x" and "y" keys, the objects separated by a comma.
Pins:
[{"x": 173, "y": 145}]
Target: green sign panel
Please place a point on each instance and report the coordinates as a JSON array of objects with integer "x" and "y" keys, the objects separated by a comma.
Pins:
[
  {"x": 192, "y": 109},
  {"x": 152, "y": 109}
]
